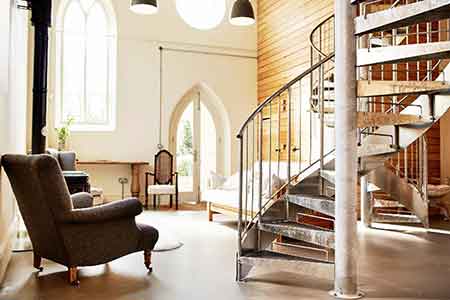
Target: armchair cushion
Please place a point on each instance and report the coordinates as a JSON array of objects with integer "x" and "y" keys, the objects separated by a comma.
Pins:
[
  {"x": 82, "y": 200},
  {"x": 162, "y": 189},
  {"x": 128, "y": 208}
]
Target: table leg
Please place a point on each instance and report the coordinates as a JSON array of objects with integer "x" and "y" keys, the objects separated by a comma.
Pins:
[{"x": 135, "y": 182}]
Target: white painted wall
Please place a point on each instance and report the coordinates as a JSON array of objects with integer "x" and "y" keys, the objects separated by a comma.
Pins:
[
  {"x": 13, "y": 99},
  {"x": 232, "y": 79}
]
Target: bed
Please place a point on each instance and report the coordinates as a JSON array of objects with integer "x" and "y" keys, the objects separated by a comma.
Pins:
[{"x": 222, "y": 195}]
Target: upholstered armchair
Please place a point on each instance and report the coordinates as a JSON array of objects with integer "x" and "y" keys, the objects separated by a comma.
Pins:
[
  {"x": 68, "y": 162},
  {"x": 66, "y": 229},
  {"x": 165, "y": 181}
]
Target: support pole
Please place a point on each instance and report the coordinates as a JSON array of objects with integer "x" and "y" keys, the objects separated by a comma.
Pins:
[
  {"x": 366, "y": 203},
  {"x": 346, "y": 238},
  {"x": 41, "y": 20}
]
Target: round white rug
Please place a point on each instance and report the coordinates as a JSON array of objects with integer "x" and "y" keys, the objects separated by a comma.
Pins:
[{"x": 168, "y": 240}]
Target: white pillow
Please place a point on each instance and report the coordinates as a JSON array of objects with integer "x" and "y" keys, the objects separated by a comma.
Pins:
[
  {"x": 215, "y": 181},
  {"x": 277, "y": 183},
  {"x": 232, "y": 183}
]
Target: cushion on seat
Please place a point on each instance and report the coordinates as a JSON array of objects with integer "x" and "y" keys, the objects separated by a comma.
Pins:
[{"x": 161, "y": 189}]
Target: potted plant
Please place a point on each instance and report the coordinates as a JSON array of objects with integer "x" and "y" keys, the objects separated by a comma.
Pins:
[{"x": 63, "y": 133}]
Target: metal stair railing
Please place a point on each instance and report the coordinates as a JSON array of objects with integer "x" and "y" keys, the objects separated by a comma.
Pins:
[
  {"x": 285, "y": 151},
  {"x": 277, "y": 138}
]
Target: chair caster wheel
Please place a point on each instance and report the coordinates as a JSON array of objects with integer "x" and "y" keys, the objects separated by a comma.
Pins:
[{"x": 150, "y": 270}]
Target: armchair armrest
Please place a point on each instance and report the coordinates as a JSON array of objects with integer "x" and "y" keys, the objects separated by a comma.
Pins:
[
  {"x": 82, "y": 200},
  {"x": 128, "y": 208}
]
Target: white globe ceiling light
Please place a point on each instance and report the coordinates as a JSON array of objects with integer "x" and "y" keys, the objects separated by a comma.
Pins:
[
  {"x": 144, "y": 7},
  {"x": 201, "y": 14},
  {"x": 242, "y": 13}
]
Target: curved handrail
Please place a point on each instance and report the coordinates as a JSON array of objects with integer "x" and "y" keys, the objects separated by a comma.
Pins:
[
  {"x": 311, "y": 36},
  {"x": 261, "y": 106}
]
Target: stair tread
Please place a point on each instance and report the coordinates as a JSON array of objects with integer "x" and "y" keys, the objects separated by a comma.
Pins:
[
  {"x": 403, "y": 53},
  {"x": 372, "y": 119},
  {"x": 375, "y": 88},
  {"x": 401, "y": 16},
  {"x": 265, "y": 254},
  {"x": 293, "y": 225}
]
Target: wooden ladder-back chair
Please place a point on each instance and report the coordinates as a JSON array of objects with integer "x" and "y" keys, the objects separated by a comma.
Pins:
[{"x": 165, "y": 180}]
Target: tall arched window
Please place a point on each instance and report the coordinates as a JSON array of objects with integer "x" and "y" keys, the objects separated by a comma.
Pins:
[{"x": 86, "y": 64}]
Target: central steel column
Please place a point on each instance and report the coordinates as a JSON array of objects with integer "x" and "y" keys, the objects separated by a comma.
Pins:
[
  {"x": 366, "y": 207},
  {"x": 346, "y": 238}
]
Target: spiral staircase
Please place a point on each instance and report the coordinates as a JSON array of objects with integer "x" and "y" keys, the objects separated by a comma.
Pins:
[{"x": 402, "y": 92}]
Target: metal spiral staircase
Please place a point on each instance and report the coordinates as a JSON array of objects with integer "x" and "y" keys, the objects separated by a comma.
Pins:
[{"x": 402, "y": 92}]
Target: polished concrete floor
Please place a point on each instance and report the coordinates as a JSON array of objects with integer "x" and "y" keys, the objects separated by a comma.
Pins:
[{"x": 394, "y": 264}]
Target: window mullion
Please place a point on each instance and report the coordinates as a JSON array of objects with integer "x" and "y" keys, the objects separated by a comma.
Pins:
[{"x": 84, "y": 102}]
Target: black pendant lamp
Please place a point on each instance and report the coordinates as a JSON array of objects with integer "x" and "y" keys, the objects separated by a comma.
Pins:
[
  {"x": 144, "y": 7},
  {"x": 242, "y": 13}
]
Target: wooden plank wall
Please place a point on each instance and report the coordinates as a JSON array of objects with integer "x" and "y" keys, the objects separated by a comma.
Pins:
[{"x": 283, "y": 39}]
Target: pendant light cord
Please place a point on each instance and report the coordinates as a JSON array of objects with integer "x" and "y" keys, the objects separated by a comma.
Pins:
[{"x": 160, "y": 145}]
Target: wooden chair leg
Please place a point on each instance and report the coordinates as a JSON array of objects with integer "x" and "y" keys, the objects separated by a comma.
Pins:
[
  {"x": 176, "y": 201},
  {"x": 73, "y": 276},
  {"x": 146, "y": 199},
  {"x": 37, "y": 262},
  {"x": 154, "y": 202},
  {"x": 210, "y": 212},
  {"x": 171, "y": 200},
  {"x": 148, "y": 260}
]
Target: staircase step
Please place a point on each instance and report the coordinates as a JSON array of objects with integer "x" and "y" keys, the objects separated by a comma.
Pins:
[
  {"x": 329, "y": 175},
  {"x": 403, "y": 53},
  {"x": 376, "y": 150},
  {"x": 402, "y": 192},
  {"x": 378, "y": 119},
  {"x": 375, "y": 88},
  {"x": 395, "y": 218},
  {"x": 288, "y": 263},
  {"x": 302, "y": 249},
  {"x": 300, "y": 232},
  {"x": 326, "y": 110},
  {"x": 318, "y": 203},
  {"x": 316, "y": 219},
  {"x": 387, "y": 41},
  {"x": 405, "y": 15},
  {"x": 372, "y": 119}
]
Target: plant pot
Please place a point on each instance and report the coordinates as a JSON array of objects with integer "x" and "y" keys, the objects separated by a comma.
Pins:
[{"x": 61, "y": 145}]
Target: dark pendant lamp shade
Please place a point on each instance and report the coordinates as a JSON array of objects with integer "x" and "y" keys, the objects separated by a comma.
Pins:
[
  {"x": 144, "y": 7},
  {"x": 242, "y": 13}
]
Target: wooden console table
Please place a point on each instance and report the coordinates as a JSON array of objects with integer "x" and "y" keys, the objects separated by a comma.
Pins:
[{"x": 135, "y": 166}]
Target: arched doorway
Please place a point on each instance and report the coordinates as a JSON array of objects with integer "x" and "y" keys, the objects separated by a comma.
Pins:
[{"x": 199, "y": 136}]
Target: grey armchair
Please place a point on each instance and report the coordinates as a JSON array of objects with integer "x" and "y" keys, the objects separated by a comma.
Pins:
[{"x": 66, "y": 229}]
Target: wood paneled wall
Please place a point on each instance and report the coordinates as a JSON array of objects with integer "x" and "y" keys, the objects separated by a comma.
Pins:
[{"x": 283, "y": 39}]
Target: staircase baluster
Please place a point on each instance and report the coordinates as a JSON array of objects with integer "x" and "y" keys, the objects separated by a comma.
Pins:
[
  {"x": 289, "y": 147},
  {"x": 300, "y": 147},
  {"x": 253, "y": 170},
  {"x": 321, "y": 95},
  {"x": 270, "y": 150},
  {"x": 311, "y": 116},
  {"x": 260, "y": 183},
  {"x": 241, "y": 166},
  {"x": 246, "y": 177},
  {"x": 279, "y": 136}
]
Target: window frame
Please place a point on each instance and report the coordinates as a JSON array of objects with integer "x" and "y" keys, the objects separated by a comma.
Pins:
[{"x": 111, "y": 71}]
